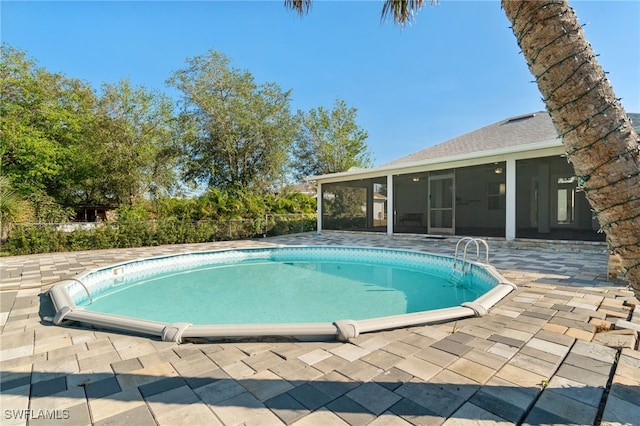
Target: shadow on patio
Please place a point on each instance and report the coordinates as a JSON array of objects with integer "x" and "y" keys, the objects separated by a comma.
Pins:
[{"x": 238, "y": 400}]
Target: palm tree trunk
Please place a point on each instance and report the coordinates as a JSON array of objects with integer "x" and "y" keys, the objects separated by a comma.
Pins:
[{"x": 599, "y": 139}]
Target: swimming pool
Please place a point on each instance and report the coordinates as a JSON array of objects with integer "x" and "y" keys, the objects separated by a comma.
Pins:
[{"x": 305, "y": 292}]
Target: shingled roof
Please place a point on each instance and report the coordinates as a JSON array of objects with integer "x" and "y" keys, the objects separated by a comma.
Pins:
[{"x": 515, "y": 131}]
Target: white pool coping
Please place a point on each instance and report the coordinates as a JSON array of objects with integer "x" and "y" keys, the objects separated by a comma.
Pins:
[{"x": 343, "y": 330}]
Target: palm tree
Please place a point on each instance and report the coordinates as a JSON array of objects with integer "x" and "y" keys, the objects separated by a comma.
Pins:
[
  {"x": 598, "y": 136},
  {"x": 12, "y": 207}
]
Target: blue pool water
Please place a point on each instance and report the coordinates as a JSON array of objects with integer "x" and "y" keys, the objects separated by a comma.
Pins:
[{"x": 279, "y": 286}]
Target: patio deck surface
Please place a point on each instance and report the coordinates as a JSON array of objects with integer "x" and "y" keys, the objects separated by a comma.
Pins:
[{"x": 539, "y": 357}]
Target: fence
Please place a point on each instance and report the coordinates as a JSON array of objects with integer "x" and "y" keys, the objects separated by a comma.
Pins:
[{"x": 25, "y": 238}]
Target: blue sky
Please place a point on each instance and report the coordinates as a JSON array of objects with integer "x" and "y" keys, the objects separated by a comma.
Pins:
[{"x": 455, "y": 69}]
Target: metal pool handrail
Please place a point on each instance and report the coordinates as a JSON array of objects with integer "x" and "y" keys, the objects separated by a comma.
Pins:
[{"x": 470, "y": 240}]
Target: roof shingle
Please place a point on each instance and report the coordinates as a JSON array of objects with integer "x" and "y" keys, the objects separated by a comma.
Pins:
[{"x": 515, "y": 131}]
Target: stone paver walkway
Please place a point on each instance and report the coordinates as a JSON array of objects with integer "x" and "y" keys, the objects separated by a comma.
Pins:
[{"x": 561, "y": 349}]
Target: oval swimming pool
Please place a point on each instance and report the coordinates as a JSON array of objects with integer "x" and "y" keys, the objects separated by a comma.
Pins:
[{"x": 286, "y": 290}]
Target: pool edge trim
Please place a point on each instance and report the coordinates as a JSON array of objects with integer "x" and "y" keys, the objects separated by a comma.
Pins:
[{"x": 342, "y": 330}]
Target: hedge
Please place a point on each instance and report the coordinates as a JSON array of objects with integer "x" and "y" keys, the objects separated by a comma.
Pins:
[{"x": 49, "y": 238}]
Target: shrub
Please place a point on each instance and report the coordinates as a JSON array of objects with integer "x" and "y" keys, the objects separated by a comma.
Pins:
[{"x": 215, "y": 216}]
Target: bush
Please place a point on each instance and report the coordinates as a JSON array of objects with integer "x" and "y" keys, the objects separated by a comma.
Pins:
[
  {"x": 215, "y": 216},
  {"x": 290, "y": 224},
  {"x": 32, "y": 239}
]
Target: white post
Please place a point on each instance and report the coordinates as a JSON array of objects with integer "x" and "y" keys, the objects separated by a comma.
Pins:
[
  {"x": 510, "y": 200},
  {"x": 390, "y": 204},
  {"x": 319, "y": 208}
]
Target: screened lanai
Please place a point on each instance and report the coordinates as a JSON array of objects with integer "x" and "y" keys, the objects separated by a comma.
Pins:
[
  {"x": 510, "y": 179},
  {"x": 469, "y": 201}
]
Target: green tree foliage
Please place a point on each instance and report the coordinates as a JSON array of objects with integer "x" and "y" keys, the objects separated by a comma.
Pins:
[
  {"x": 42, "y": 121},
  {"x": 237, "y": 134},
  {"x": 64, "y": 144},
  {"x": 47, "y": 210},
  {"x": 132, "y": 141},
  {"x": 329, "y": 141},
  {"x": 234, "y": 203}
]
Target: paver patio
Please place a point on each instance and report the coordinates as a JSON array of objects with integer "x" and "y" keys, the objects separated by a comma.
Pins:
[{"x": 539, "y": 356}]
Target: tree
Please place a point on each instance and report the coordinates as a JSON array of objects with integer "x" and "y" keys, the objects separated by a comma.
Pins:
[
  {"x": 329, "y": 141},
  {"x": 596, "y": 131},
  {"x": 43, "y": 117},
  {"x": 132, "y": 140},
  {"x": 63, "y": 144},
  {"x": 237, "y": 133}
]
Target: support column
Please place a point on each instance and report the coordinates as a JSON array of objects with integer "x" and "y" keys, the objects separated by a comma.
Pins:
[
  {"x": 544, "y": 198},
  {"x": 319, "y": 208},
  {"x": 390, "y": 215},
  {"x": 510, "y": 200}
]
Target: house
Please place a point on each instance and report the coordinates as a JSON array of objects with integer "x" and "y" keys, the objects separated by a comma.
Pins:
[
  {"x": 510, "y": 179},
  {"x": 95, "y": 213}
]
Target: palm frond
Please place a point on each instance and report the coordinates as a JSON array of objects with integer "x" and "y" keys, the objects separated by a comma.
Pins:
[
  {"x": 300, "y": 6},
  {"x": 402, "y": 11}
]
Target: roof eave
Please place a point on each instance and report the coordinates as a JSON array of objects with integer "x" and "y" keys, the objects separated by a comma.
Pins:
[{"x": 510, "y": 150}]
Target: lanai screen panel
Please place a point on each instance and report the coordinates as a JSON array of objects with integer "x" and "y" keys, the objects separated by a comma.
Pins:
[
  {"x": 355, "y": 205},
  {"x": 549, "y": 204},
  {"x": 478, "y": 201},
  {"x": 411, "y": 192},
  {"x": 481, "y": 200}
]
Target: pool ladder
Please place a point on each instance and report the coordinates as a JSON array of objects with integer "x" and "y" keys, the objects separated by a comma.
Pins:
[{"x": 462, "y": 263}]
